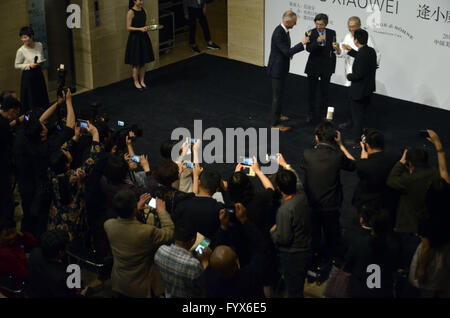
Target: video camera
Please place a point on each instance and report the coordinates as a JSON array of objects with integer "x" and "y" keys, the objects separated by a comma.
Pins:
[
  {"x": 61, "y": 83},
  {"x": 123, "y": 130}
]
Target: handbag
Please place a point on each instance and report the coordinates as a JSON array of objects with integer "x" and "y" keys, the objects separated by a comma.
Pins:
[{"x": 338, "y": 285}]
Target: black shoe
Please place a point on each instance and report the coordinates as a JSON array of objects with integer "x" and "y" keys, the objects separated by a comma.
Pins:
[
  {"x": 195, "y": 49},
  {"x": 213, "y": 46},
  {"x": 345, "y": 125},
  {"x": 140, "y": 89}
]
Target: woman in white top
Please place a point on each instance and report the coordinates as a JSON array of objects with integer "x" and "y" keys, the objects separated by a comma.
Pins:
[{"x": 29, "y": 59}]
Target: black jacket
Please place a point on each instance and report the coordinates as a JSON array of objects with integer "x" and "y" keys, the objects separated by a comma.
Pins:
[
  {"x": 363, "y": 73},
  {"x": 321, "y": 168},
  {"x": 281, "y": 53},
  {"x": 322, "y": 59},
  {"x": 373, "y": 173}
]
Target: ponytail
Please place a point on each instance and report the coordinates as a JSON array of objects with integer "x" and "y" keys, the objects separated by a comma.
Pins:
[{"x": 130, "y": 4}]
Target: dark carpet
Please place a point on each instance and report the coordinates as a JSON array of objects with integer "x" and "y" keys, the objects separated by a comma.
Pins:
[{"x": 230, "y": 94}]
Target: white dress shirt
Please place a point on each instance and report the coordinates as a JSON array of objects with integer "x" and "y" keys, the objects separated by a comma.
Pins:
[
  {"x": 349, "y": 60},
  {"x": 25, "y": 56},
  {"x": 285, "y": 29}
]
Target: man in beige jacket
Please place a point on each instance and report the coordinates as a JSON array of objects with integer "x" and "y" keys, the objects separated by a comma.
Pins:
[{"x": 133, "y": 245}]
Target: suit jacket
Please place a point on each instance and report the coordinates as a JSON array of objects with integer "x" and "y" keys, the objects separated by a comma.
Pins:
[
  {"x": 322, "y": 166},
  {"x": 373, "y": 173},
  {"x": 322, "y": 59},
  {"x": 202, "y": 212},
  {"x": 133, "y": 246},
  {"x": 363, "y": 73},
  {"x": 413, "y": 188},
  {"x": 281, "y": 53}
]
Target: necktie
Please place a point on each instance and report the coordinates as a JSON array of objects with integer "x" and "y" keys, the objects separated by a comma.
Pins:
[{"x": 289, "y": 38}]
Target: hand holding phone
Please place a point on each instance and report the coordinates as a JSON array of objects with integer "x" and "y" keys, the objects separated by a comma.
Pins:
[
  {"x": 247, "y": 161},
  {"x": 152, "y": 203},
  {"x": 136, "y": 159},
  {"x": 202, "y": 246}
]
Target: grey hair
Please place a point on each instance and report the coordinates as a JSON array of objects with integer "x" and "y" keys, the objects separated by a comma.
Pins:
[
  {"x": 355, "y": 18},
  {"x": 288, "y": 15}
]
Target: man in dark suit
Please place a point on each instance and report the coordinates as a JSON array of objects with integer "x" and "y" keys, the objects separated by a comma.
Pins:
[
  {"x": 363, "y": 82},
  {"x": 373, "y": 170},
  {"x": 281, "y": 54},
  {"x": 321, "y": 64},
  {"x": 321, "y": 169}
]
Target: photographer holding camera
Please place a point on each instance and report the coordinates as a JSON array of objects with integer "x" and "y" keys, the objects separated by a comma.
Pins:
[
  {"x": 373, "y": 170},
  {"x": 321, "y": 167}
]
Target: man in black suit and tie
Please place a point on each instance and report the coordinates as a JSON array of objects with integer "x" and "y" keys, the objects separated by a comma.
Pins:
[
  {"x": 363, "y": 82},
  {"x": 321, "y": 64},
  {"x": 281, "y": 54}
]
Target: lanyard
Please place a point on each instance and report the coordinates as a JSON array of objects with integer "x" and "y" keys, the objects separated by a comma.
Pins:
[{"x": 288, "y": 198}]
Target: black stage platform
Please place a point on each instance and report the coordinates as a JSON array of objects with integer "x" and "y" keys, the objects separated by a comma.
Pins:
[{"x": 229, "y": 94}]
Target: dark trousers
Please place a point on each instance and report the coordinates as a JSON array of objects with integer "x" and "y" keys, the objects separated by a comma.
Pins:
[
  {"x": 294, "y": 267},
  {"x": 318, "y": 111},
  {"x": 359, "y": 116},
  {"x": 409, "y": 243},
  {"x": 277, "y": 99},
  {"x": 328, "y": 221},
  {"x": 194, "y": 15}
]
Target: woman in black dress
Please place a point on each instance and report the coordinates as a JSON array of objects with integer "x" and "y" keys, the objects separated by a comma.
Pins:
[
  {"x": 139, "y": 47},
  {"x": 29, "y": 59}
]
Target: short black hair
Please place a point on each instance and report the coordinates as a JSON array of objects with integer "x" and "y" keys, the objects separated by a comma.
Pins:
[
  {"x": 184, "y": 232},
  {"x": 9, "y": 103},
  {"x": 166, "y": 172},
  {"x": 26, "y": 30},
  {"x": 116, "y": 169},
  {"x": 362, "y": 36},
  {"x": 33, "y": 129},
  {"x": 240, "y": 188},
  {"x": 286, "y": 181},
  {"x": 375, "y": 139},
  {"x": 53, "y": 242},
  {"x": 417, "y": 157},
  {"x": 124, "y": 203},
  {"x": 210, "y": 181},
  {"x": 5, "y": 94},
  {"x": 321, "y": 17},
  {"x": 166, "y": 148},
  {"x": 325, "y": 132},
  {"x": 58, "y": 162}
]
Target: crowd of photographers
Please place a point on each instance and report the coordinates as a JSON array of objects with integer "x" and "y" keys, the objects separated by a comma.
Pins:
[{"x": 182, "y": 230}]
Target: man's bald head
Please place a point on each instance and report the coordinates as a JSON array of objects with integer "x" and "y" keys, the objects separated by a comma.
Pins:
[{"x": 224, "y": 260}]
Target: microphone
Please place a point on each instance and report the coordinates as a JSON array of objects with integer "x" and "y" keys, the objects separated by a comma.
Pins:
[{"x": 36, "y": 59}]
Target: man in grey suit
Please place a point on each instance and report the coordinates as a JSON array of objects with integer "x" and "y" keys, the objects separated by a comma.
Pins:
[{"x": 281, "y": 54}]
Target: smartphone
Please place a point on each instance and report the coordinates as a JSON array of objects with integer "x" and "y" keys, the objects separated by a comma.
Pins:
[
  {"x": 203, "y": 244},
  {"x": 83, "y": 123},
  {"x": 247, "y": 161},
  {"x": 152, "y": 203},
  {"x": 272, "y": 158},
  {"x": 190, "y": 165},
  {"x": 27, "y": 118},
  {"x": 423, "y": 134},
  {"x": 136, "y": 159},
  {"x": 231, "y": 209},
  {"x": 120, "y": 123}
]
